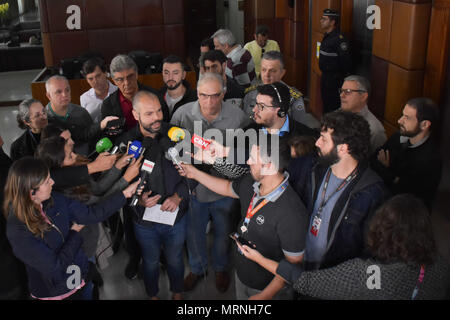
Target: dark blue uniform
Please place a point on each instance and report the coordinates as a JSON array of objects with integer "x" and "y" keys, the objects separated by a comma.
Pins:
[{"x": 335, "y": 64}]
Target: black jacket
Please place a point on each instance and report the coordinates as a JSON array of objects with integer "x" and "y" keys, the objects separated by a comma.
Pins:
[
  {"x": 412, "y": 170},
  {"x": 111, "y": 105},
  {"x": 164, "y": 179},
  {"x": 352, "y": 212},
  {"x": 189, "y": 96},
  {"x": 23, "y": 146},
  {"x": 12, "y": 271},
  {"x": 335, "y": 54}
]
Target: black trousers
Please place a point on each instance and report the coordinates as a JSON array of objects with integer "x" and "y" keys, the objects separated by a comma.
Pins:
[{"x": 330, "y": 83}]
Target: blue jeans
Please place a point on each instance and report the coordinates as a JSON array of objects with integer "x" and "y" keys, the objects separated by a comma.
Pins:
[
  {"x": 171, "y": 238},
  {"x": 198, "y": 216}
]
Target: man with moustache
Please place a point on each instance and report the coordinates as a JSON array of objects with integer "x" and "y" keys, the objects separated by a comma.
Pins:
[
  {"x": 164, "y": 187},
  {"x": 339, "y": 190},
  {"x": 410, "y": 161},
  {"x": 176, "y": 91},
  {"x": 124, "y": 73}
]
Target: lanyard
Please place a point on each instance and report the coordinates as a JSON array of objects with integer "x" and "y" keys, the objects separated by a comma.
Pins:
[
  {"x": 251, "y": 211},
  {"x": 419, "y": 281},
  {"x": 349, "y": 178}
]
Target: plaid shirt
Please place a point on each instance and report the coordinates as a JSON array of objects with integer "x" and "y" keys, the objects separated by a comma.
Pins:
[{"x": 240, "y": 66}]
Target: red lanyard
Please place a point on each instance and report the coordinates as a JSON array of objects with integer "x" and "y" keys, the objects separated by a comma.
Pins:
[{"x": 250, "y": 211}]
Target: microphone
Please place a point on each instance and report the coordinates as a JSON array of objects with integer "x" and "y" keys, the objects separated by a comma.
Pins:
[
  {"x": 176, "y": 134},
  {"x": 200, "y": 142},
  {"x": 146, "y": 170},
  {"x": 135, "y": 149},
  {"x": 173, "y": 154},
  {"x": 104, "y": 144}
]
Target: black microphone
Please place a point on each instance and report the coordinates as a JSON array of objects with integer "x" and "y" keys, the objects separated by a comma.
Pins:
[{"x": 146, "y": 170}]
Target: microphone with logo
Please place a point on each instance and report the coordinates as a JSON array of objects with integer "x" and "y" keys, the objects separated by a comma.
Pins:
[
  {"x": 136, "y": 149},
  {"x": 146, "y": 170}
]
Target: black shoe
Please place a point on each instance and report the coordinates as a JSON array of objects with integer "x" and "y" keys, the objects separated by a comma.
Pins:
[{"x": 132, "y": 268}]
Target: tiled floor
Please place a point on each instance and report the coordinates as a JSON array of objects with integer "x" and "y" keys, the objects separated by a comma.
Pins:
[{"x": 15, "y": 86}]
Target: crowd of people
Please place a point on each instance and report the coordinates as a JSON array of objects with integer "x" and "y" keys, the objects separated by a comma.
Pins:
[{"x": 308, "y": 207}]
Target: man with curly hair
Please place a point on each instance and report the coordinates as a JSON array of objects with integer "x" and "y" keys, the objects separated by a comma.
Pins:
[{"x": 339, "y": 189}]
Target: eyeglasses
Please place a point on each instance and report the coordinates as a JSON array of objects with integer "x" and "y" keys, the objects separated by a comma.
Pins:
[
  {"x": 349, "y": 91},
  {"x": 262, "y": 52},
  {"x": 39, "y": 115},
  {"x": 212, "y": 96},
  {"x": 261, "y": 106}
]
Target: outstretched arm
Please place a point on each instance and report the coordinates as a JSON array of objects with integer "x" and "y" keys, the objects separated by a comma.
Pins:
[{"x": 218, "y": 185}]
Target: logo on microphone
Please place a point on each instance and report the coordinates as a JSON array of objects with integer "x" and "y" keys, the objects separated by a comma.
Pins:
[
  {"x": 148, "y": 166},
  {"x": 200, "y": 142}
]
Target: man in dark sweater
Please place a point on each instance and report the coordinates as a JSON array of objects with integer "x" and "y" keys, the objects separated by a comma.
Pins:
[
  {"x": 124, "y": 73},
  {"x": 176, "y": 90},
  {"x": 410, "y": 161}
]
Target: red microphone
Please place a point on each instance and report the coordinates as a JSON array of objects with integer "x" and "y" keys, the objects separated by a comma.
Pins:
[{"x": 200, "y": 142}]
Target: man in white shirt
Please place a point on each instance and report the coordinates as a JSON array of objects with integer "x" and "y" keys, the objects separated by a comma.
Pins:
[{"x": 94, "y": 70}]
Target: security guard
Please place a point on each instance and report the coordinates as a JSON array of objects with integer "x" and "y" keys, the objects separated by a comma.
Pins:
[
  {"x": 334, "y": 60},
  {"x": 273, "y": 70}
]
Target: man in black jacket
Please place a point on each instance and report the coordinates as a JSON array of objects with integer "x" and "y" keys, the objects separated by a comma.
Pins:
[
  {"x": 124, "y": 73},
  {"x": 176, "y": 91},
  {"x": 334, "y": 60},
  {"x": 165, "y": 190},
  {"x": 339, "y": 190},
  {"x": 410, "y": 161}
]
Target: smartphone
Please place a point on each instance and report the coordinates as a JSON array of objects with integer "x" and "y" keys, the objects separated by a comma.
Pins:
[{"x": 235, "y": 236}]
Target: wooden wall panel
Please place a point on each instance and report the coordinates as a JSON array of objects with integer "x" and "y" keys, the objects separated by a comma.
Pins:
[
  {"x": 281, "y": 9},
  {"x": 315, "y": 100},
  {"x": 264, "y": 9},
  {"x": 382, "y": 37},
  {"x": 57, "y": 16},
  {"x": 437, "y": 54},
  {"x": 143, "y": 12},
  {"x": 378, "y": 80},
  {"x": 113, "y": 26},
  {"x": 346, "y": 11},
  {"x": 402, "y": 85},
  {"x": 111, "y": 18},
  {"x": 409, "y": 34}
]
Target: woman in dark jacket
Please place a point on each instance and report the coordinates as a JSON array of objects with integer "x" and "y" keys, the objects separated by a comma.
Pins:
[
  {"x": 405, "y": 263},
  {"x": 43, "y": 229}
]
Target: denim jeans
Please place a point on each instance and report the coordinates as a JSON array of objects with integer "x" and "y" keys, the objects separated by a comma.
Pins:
[
  {"x": 198, "y": 216},
  {"x": 171, "y": 239}
]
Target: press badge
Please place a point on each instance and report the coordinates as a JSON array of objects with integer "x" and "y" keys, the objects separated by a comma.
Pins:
[{"x": 315, "y": 226}]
